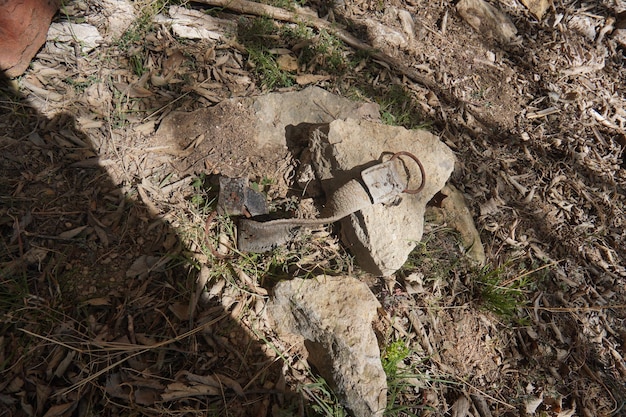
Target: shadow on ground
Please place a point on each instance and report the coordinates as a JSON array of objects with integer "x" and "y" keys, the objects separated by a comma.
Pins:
[{"x": 95, "y": 294}]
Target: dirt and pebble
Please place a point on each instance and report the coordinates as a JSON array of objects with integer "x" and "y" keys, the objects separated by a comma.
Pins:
[{"x": 104, "y": 263}]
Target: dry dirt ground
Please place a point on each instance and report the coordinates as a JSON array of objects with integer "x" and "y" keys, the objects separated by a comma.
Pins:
[{"x": 112, "y": 302}]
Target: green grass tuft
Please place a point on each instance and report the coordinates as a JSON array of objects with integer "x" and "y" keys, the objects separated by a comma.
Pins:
[{"x": 500, "y": 295}]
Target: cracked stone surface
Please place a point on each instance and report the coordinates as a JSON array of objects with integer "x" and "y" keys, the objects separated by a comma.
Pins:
[{"x": 334, "y": 316}]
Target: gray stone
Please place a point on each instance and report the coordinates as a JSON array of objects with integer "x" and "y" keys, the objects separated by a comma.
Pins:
[
  {"x": 381, "y": 236},
  {"x": 278, "y": 113},
  {"x": 334, "y": 316},
  {"x": 259, "y": 137},
  {"x": 487, "y": 20}
]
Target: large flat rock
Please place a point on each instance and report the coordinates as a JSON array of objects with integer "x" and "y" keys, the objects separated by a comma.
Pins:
[{"x": 248, "y": 136}]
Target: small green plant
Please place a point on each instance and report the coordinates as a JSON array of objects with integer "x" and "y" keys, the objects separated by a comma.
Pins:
[
  {"x": 81, "y": 85},
  {"x": 324, "y": 51},
  {"x": 399, "y": 364},
  {"x": 136, "y": 32},
  {"x": 203, "y": 197},
  {"x": 396, "y": 352},
  {"x": 260, "y": 35},
  {"x": 262, "y": 184},
  {"x": 258, "y": 32},
  {"x": 501, "y": 295},
  {"x": 268, "y": 71},
  {"x": 398, "y": 108},
  {"x": 136, "y": 64}
]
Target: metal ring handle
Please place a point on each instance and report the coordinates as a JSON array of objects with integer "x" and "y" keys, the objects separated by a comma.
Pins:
[{"x": 419, "y": 164}]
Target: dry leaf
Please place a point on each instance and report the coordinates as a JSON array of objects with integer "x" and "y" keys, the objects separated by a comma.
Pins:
[
  {"x": 173, "y": 62},
  {"x": 305, "y": 79},
  {"x": 460, "y": 408},
  {"x": 89, "y": 123},
  {"x": 532, "y": 404},
  {"x": 65, "y": 363},
  {"x": 138, "y": 92},
  {"x": 115, "y": 388},
  {"x": 208, "y": 94},
  {"x": 287, "y": 63},
  {"x": 132, "y": 91},
  {"x": 35, "y": 255},
  {"x": 15, "y": 385},
  {"x": 159, "y": 81},
  {"x": 215, "y": 380},
  {"x": 537, "y": 7},
  {"x": 58, "y": 410},
  {"x": 179, "y": 390},
  {"x": 96, "y": 302},
  {"x": 201, "y": 281},
  {"x": 145, "y": 128},
  {"x": 70, "y": 234},
  {"x": 142, "y": 265},
  {"x": 145, "y": 396},
  {"x": 180, "y": 310},
  {"x": 231, "y": 383}
]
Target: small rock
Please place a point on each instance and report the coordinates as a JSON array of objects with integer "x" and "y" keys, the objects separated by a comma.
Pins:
[
  {"x": 537, "y": 7},
  {"x": 334, "y": 315},
  {"x": 458, "y": 216},
  {"x": 487, "y": 20},
  {"x": 408, "y": 25},
  {"x": 23, "y": 28},
  {"x": 193, "y": 24},
  {"x": 255, "y": 137},
  {"x": 65, "y": 34},
  {"x": 119, "y": 15},
  {"x": 383, "y": 36}
]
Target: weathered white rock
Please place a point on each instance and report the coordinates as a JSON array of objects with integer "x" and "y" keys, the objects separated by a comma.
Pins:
[
  {"x": 257, "y": 136},
  {"x": 487, "y": 20},
  {"x": 277, "y": 113},
  {"x": 334, "y": 316},
  {"x": 119, "y": 15},
  {"x": 381, "y": 236},
  {"x": 193, "y": 24},
  {"x": 383, "y": 36},
  {"x": 65, "y": 35}
]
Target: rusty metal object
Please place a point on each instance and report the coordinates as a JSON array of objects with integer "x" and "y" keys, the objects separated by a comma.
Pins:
[
  {"x": 421, "y": 167},
  {"x": 237, "y": 198},
  {"x": 381, "y": 184}
]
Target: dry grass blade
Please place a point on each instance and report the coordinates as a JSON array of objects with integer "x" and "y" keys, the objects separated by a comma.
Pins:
[{"x": 137, "y": 349}]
